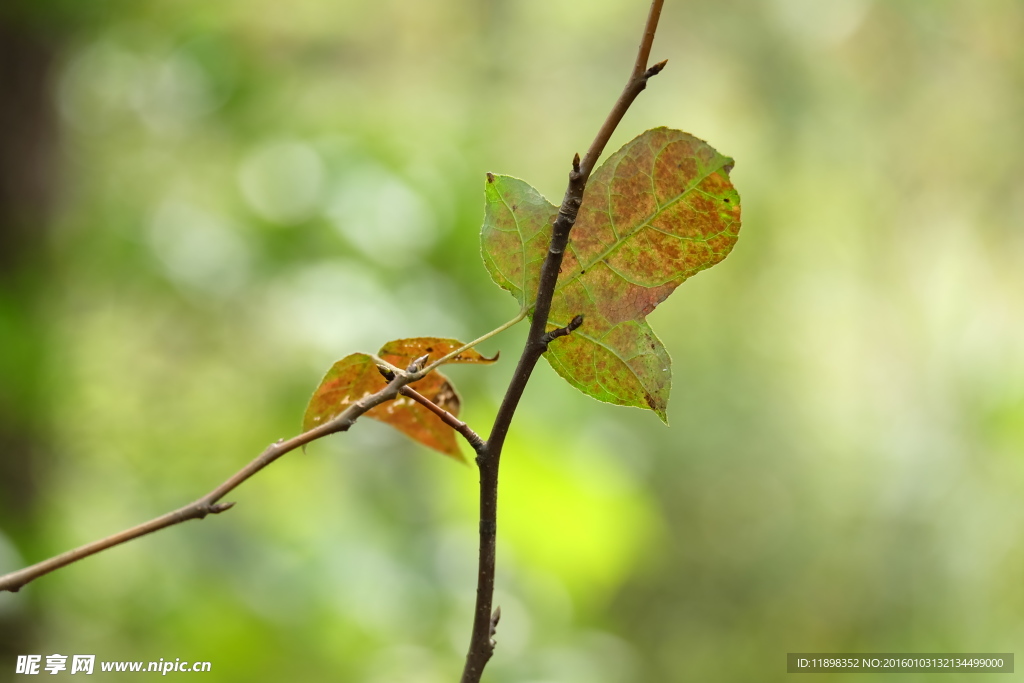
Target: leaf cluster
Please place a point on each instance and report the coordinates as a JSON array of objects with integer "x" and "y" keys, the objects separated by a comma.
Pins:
[{"x": 659, "y": 210}]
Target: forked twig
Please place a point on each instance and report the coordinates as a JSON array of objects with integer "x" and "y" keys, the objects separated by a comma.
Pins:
[{"x": 485, "y": 620}]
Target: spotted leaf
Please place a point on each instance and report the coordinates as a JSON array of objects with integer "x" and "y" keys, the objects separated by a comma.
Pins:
[
  {"x": 658, "y": 211},
  {"x": 357, "y": 376}
]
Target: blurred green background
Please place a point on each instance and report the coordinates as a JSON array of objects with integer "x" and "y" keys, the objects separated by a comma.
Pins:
[{"x": 203, "y": 205}]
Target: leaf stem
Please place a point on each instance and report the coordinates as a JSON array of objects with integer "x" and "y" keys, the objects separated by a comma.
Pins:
[{"x": 498, "y": 330}]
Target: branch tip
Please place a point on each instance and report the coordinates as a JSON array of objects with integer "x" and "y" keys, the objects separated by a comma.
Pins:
[
  {"x": 217, "y": 508},
  {"x": 385, "y": 373},
  {"x": 576, "y": 162},
  {"x": 495, "y": 618},
  {"x": 562, "y": 331},
  {"x": 655, "y": 69},
  {"x": 415, "y": 366}
]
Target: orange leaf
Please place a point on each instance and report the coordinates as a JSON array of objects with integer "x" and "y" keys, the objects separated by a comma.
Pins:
[
  {"x": 402, "y": 352},
  {"x": 356, "y": 376}
]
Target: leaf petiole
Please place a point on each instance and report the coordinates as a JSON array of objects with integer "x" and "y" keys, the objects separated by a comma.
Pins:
[{"x": 497, "y": 330}]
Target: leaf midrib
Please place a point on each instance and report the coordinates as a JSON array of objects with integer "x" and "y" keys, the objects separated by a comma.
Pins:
[{"x": 647, "y": 223}]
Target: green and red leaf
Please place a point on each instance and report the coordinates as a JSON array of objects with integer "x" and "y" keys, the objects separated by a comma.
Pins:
[{"x": 658, "y": 211}]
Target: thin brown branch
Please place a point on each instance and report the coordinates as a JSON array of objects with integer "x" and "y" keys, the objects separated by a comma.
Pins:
[
  {"x": 634, "y": 86},
  {"x": 481, "y": 645},
  {"x": 455, "y": 423},
  {"x": 208, "y": 504},
  {"x": 415, "y": 372}
]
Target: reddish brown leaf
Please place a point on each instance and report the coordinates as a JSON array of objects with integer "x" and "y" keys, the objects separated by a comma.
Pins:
[{"x": 356, "y": 376}]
